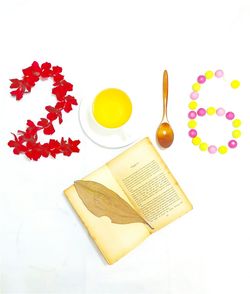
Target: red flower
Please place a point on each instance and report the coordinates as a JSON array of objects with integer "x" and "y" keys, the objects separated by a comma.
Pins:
[
  {"x": 54, "y": 113},
  {"x": 58, "y": 78},
  {"x": 46, "y": 70},
  {"x": 69, "y": 147},
  {"x": 32, "y": 128},
  {"x": 34, "y": 70},
  {"x": 20, "y": 88},
  {"x": 56, "y": 70},
  {"x": 47, "y": 126},
  {"x": 18, "y": 147},
  {"x": 74, "y": 145},
  {"x": 34, "y": 151},
  {"x": 60, "y": 92},
  {"x": 54, "y": 147},
  {"x": 69, "y": 101},
  {"x": 29, "y": 82}
]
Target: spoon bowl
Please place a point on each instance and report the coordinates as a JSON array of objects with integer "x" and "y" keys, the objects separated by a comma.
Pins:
[{"x": 165, "y": 133}]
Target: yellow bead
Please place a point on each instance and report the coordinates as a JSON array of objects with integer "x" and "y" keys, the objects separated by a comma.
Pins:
[
  {"x": 222, "y": 149},
  {"x": 196, "y": 87},
  {"x": 196, "y": 141},
  {"x": 192, "y": 124},
  {"x": 235, "y": 84},
  {"x": 236, "y": 133},
  {"x": 209, "y": 74},
  {"x": 203, "y": 146},
  {"x": 236, "y": 123},
  {"x": 211, "y": 111},
  {"x": 193, "y": 105}
]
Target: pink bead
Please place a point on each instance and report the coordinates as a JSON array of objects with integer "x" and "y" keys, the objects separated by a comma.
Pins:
[
  {"x": 212, "y": 149},
  {"x": 219, "y": 73},
  {"x": 201, "y": 111},
  {"x": 201, "y": 79},
  {"x": 192, "y": 133},
  {"x": 230, "y": 115},
  {"x": 232, "y": 144},
  {"x": 194, "y": 95},
  {"x": 220, "y": 111},
  {"x": 192, "y": 114}
]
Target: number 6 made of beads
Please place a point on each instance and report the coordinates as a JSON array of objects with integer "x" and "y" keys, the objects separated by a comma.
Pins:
[{"x": 196, "y": 112}]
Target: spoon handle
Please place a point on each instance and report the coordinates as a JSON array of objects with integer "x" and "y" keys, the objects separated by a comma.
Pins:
[{"x": 165, "y": 94}]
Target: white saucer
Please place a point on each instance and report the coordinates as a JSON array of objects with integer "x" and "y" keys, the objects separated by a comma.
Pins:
[{"x": 105, "y": 137}]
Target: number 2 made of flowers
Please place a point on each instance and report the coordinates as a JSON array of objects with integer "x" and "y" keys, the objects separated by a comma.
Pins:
[{"x": 26, "y": 142}]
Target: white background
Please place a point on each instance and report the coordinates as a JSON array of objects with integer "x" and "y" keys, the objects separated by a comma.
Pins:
[{"x": 127, "y": 44}]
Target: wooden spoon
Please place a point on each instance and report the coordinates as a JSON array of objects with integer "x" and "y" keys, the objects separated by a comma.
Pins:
[{"x": 164, "y": 133}]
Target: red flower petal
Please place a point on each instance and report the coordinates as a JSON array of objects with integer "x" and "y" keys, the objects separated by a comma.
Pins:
[
  {"x": 15, "y": 83},
  {"x": 65, "y": 85},
  {"x": 52, "y": 116},
  {"x": 67, "y": 107},
  {"x": 60, "y": 105}
]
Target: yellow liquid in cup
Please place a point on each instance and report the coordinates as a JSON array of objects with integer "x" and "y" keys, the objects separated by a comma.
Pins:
[{"x": 112, "y": 108}]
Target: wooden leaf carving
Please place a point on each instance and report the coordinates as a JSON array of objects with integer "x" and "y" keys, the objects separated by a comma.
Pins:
[{"x": 102, "y": 201}]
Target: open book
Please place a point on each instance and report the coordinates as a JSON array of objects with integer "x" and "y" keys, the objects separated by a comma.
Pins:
[{"x": 141, "y": 178}]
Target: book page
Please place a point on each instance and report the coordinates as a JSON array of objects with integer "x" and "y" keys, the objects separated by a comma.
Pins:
[
  {"x": 149, "y": 184},
  {"x": 113, "y": 240}
]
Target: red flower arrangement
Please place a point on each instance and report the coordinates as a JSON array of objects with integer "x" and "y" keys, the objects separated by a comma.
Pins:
[{"x": 26, "y": 142}]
